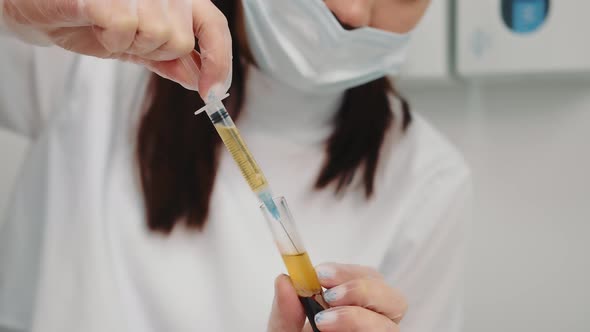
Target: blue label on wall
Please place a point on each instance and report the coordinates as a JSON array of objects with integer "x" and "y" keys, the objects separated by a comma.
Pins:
[{"x": 524, "y": 16}]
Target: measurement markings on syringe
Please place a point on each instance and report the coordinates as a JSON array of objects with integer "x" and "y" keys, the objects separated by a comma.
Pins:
[{"x": 242, "y": 157}]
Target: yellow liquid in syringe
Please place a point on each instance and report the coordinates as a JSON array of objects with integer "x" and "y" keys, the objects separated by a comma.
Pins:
[{"x": 238, "y": 150}]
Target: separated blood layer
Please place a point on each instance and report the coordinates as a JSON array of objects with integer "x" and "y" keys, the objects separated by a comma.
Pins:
[{"x": 306, "y": 283}]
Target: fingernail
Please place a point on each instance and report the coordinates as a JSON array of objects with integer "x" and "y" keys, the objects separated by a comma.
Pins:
[
  {"x": 326, "y": 317},
  {"x": 334, "y": 294},
  {"x": 325, "y": 272}
]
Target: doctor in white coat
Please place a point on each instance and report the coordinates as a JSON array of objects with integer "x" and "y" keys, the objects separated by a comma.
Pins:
[{"x": 128, "y": 215}]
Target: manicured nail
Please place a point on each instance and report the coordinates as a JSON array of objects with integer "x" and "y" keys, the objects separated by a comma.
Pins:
[
  {"x": 325, "y": 272},
  {"x": 334, "y": 294},
  {"x": 326, "y": 317}
]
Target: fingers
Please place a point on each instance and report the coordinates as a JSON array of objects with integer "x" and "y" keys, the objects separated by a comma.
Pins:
[
  {"x": 158, "y": 33},
  {"x": 176, "y": 59},
  {"x": 164, "y": 29},
  {"x": 332, "y": 274},
  {"x": 287, "y": 314},
  {"x": 183, "y": 71},
  {"x": 81, "y": 40},
  {"x": 212, "y": 31},
  {"x": 153, "y": 28},
  {"x": 181, "y": 39},
  {"x": 353, "y": 319},
  {"x": 373, "y": 294},
  {"x": 355, "y": 285},
  {"x": 115, "y": 22},
  {"x": 307, "y": 327}
]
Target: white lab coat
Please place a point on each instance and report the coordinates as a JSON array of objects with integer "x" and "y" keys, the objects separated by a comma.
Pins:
[{"x": 75, "y": 254}]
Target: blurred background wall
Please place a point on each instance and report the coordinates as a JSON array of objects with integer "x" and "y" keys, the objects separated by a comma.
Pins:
[
  {"x": 509, "y": 83},
  {"x": 528, "y": 144},
  {"x": 523, "y": 123}
]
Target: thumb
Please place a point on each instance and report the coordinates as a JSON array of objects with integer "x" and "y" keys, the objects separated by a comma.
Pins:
[{"x": 287, "y": 313}]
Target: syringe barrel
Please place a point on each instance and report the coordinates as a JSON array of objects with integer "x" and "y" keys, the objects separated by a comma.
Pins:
[
  {"x": 218, "y": 114},
  {"x": 236, "y": 146}
]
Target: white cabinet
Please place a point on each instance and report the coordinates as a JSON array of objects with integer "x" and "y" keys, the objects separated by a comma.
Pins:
[
  {"x": 428, "y": 57},
  {"x": 513, "y": 37}
]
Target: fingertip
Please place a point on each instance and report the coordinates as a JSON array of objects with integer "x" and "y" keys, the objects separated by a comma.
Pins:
[
  {"x": 173, "y": 70},
  {"x": 191, "y": 72},
  {"x": 285, "y": 292},
  {"x": 215, "y": 78},
  {"x": 326, "y": 271},
  {"x": 324, "y": 319},
  {"x": 215, "y": 45},
  {"x": 282, "y": 282}
]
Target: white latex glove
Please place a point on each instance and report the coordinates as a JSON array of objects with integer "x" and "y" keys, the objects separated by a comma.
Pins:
[{"x": 159, "y": 34}]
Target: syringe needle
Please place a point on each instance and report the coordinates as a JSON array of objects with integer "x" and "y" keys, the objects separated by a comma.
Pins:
[{"x": 266, "y": 197}]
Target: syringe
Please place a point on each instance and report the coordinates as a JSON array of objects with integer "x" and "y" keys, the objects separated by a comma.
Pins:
[
  {"x": 236, "y": 146},
  {"x": 277, "y": 213}
]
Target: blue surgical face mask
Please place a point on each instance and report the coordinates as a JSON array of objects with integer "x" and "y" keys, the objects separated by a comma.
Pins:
[{"x": 302, "y": 44}]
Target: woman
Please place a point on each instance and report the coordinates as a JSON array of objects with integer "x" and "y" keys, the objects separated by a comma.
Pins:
[{"x": 129, "y": 216}]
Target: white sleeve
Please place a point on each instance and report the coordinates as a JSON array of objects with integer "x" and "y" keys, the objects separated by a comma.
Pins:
[
  {"x": 19, "y": 111},
  {"x": 33, "y": 82},
  {"x": 426, "y": 260}
]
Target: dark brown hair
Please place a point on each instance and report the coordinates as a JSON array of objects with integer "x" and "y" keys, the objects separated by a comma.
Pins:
[{"x": 177, "y": 152}]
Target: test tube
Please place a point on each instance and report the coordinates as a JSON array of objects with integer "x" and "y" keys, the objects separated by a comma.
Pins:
[{"x": 296, "y": 259}]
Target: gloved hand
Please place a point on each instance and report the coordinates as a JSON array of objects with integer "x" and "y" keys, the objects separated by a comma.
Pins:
[{"x": 159, "y": 34}]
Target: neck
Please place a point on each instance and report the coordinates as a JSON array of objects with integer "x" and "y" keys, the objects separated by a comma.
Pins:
[{"x": 276, "y": 108}]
